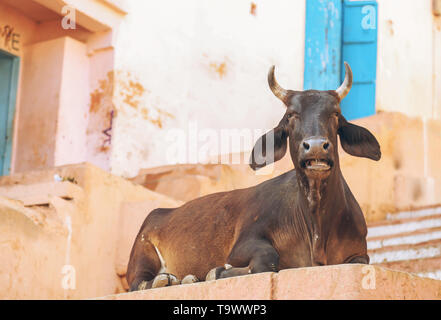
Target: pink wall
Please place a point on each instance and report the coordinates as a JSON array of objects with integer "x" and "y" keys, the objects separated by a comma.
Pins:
[
  {"x": 60, "y": 70},
  {"x": 73, "y": 105},
  {"x": 40, "y": 86}
]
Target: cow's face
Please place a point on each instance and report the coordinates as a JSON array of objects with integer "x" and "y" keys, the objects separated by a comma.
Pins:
[{"x": 312, "y": 121}]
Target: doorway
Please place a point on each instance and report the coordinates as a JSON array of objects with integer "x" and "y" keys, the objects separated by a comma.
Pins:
[{"x": 9, "y": 67}]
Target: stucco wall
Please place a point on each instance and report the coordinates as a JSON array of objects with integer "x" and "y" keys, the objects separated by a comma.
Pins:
[
  {"x": 53, "y": 114},
  {"x": 37, "y": 123},
  {"x": 25, "y": 27},
  {"x": 407, "y": 69},
  {"x": 86, "y": 230},
  {"x": 204, "y": 62},
  {"x": 203, "y": 65},
  {"x": 195, "y": 68},
  {"x": 73, "y": 107},
  {"x": 60, "y": 69}
]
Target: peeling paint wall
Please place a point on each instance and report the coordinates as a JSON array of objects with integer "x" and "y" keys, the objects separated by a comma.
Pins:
[
  {"x": 177, "y": 65},
  {"x": 205, "y": 63},
  {"x": 202, "y": 62}
]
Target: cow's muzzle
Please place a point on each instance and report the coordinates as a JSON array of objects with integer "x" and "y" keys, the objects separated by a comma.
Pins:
[{"x": 315, "y": 153}]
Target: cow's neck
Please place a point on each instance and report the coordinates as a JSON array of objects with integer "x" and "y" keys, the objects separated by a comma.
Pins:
[{"x": 322, "y": 198}]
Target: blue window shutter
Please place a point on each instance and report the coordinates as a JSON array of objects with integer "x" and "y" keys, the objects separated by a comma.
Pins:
[{"x": 359, "y": 49}]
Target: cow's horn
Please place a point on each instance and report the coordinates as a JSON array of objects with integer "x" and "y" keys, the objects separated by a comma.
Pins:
[
  {"x": 347, "y": 83},
  {"x": 278, "y": 91}
]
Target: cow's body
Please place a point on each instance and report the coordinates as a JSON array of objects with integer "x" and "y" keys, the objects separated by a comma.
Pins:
[
  {"x": 203, "y": 233},
  {"x": 305, "y": 217}
]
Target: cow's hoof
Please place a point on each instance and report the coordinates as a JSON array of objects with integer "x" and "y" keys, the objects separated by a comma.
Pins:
[
  {"x": 142, "y": 285},
  {"x": 165, "y": 280},
  {"x": 215, "y": 273},
  {"x": 189, "y": 279},
  {"x": 211, "y": 275}
]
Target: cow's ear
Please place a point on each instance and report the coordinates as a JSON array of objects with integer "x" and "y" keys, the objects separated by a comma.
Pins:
[
  {"x": 270, "y": 147},
  {"x": 358, "y": 141}
]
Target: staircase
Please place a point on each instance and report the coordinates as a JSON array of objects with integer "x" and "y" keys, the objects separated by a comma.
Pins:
[{"x": 408, "y": 241}]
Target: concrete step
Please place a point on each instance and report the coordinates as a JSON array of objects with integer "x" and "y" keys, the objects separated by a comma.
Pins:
[
  {"x": 401, "y": 252},
  {"x": 408, "y": 241},
  {"x": 339, "y": 282}
]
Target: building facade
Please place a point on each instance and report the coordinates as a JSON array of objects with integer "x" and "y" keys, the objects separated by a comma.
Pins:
[{"x": 123, "y": 84}]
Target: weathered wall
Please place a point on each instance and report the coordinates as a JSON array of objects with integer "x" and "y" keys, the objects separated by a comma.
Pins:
[
  {"x": 25, "y": 28},
  {"x": 53, "y": 114},
  {"x": 408, "y": 58},
  {"x": 61, "y": 75},
  {"x": 100, "y": 104},
  {"x": 207, "y": 66},
  {"x": 32, "y": 256},
  {"x": 196, "y": 67},
  {"x": 81, "y": 224},
  {"x": 38, "y": 113},
  {"x": 73, "y": 106},
  {"x": 194, "y": 61}
]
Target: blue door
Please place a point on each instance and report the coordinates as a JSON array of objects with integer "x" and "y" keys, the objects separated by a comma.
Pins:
[
  {"x": 323, "y": 44},
  {"x": 8, "y": 91},
  {"x": 338, "y": 31}
]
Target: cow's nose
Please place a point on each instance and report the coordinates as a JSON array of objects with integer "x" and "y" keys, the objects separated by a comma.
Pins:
[{"x": 315, "y": 145}]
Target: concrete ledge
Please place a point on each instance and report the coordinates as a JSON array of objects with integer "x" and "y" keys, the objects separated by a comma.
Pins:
[
  {"x": 328, "y": 282},
  {"x": 252, "y": 287},
  {"x": 41, "y": 193}
]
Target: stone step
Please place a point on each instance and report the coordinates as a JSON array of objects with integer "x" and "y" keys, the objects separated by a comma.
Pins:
[
  {"x": 404, "y": 225},
  {"x": 408, "y": 241},
  {"x": 420, "y": 267},
  {"x": 404, "y": 238},
  {"x": 427, "y": 249},
  {"x": 428, "y": 211}
]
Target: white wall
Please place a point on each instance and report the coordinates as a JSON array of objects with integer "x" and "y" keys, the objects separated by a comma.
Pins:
[
  {"x": 204, "y": 64},
  {"x": 406, "y": 55},
  {"x": 202, "y": 61}
]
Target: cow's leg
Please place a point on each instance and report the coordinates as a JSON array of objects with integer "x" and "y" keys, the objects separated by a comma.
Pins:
[
  {"x": 360, "y": 259},
  {"x": 255, "y": 255},
  {"x": 144, "y": 265}
]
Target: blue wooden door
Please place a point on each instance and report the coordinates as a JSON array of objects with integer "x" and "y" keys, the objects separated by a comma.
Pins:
[
  {"x": 359, "y": 49},
  {"x": 8, "y": 91},
  {"x": 338, "y": 31},
  {"x": 323, "y": 44}
]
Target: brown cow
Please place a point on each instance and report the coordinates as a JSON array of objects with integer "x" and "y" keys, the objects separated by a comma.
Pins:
[{"x": 305, "y": 217}]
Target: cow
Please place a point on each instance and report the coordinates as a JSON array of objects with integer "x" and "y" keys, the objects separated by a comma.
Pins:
[{"x": 305, "y": 217}]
